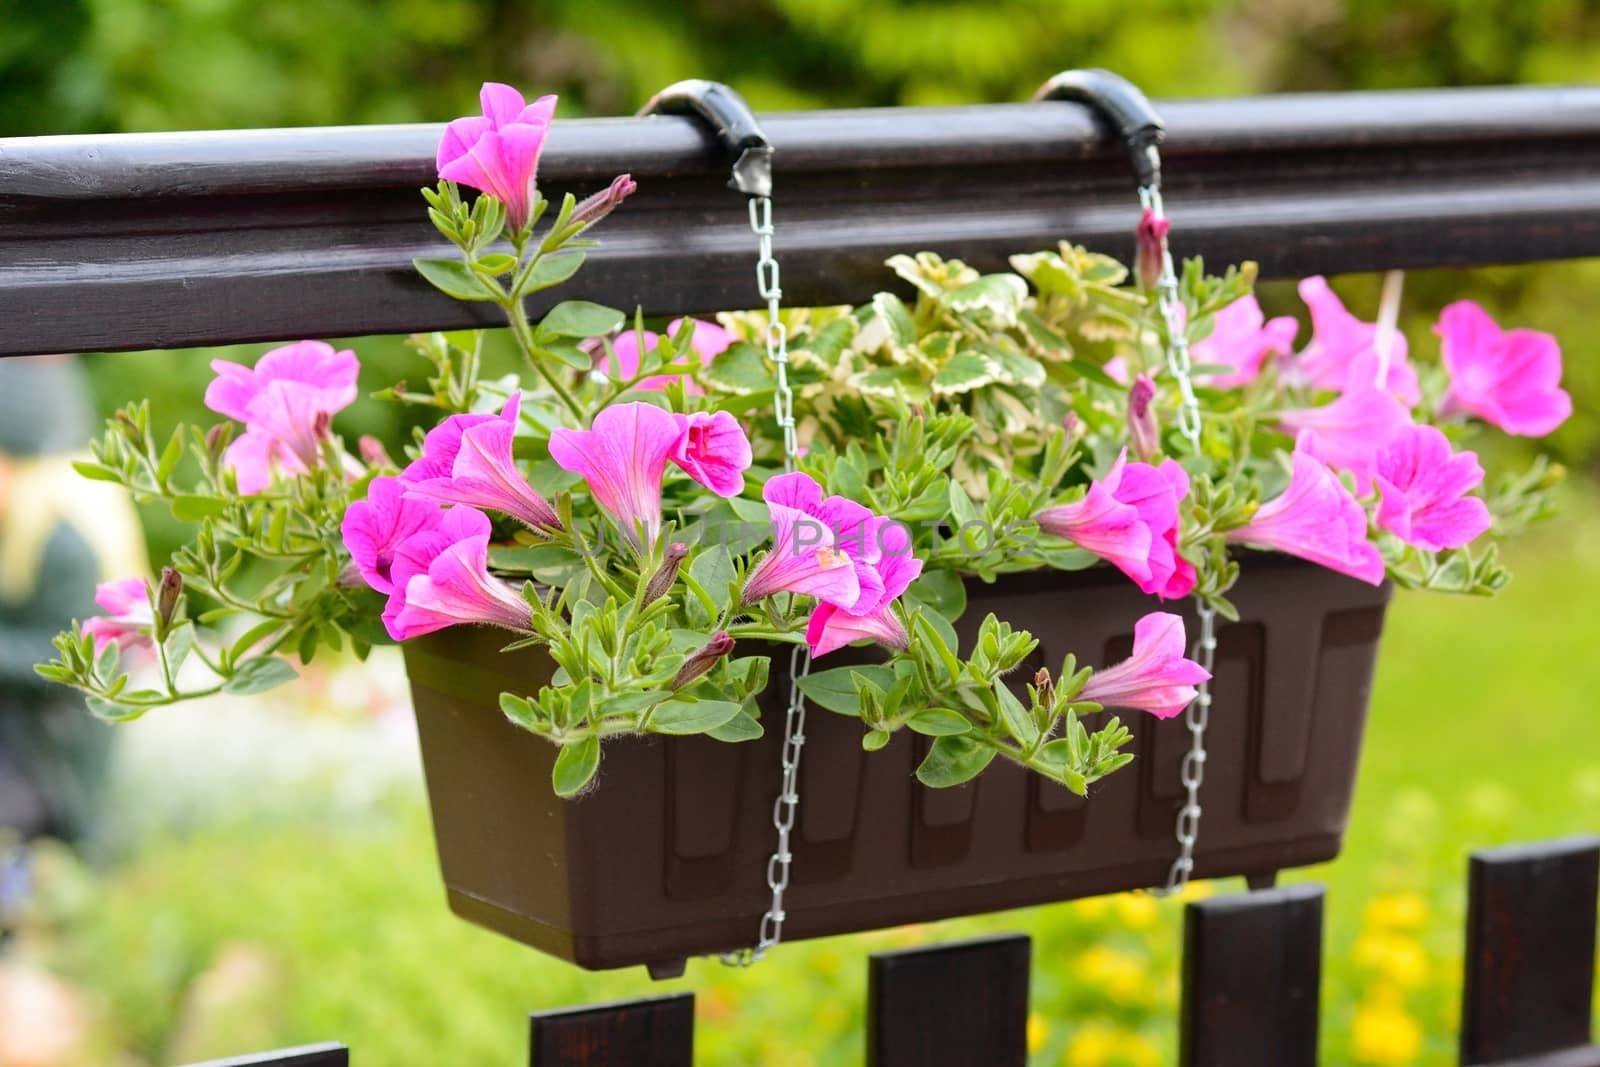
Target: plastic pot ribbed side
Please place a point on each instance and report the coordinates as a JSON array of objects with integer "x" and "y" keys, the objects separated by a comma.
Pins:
[{"x": 665, "y": 857}]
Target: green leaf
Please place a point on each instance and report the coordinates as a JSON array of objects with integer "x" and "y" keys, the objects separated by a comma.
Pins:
[
  {"x": 742, "y": 727},
  {"x": 178, "y": 645},
  {"x": 518, "y": 709},
  {"x": 191, "y": 508},
  {"x": 903, "y": 379},
  {"x": 496, "y": 263},
  {"x": 941, "y": 590},
  {"x": 111, "y": 711},
  {"x": 902, "y": 327},
  {"x": 713, "y": 569},
  {"x": 580, "y": 318},
  {"x": 873, "y": 740},
  {"x": 95, "y": 472},
  {"x": 552, "y": 270},
  {"x": 575, "y": 766},
  {"x": 835, "y": 689},
  {"x": 452, "y": 278},
  {"x": 571, "y": 355},
  {"x": 998, "y": 295},
  {"x": 952, "y": 761},
  {"x": 741, "y": 370},
  {"x": 1019, "y": 721},
  {"x": 967, "y": 370},
  {"x": 258, "y": 675},
  {"x": 693, "y": 716},
  {"x": 940, "y": 722},
  {"x": 935, "y": 631}
]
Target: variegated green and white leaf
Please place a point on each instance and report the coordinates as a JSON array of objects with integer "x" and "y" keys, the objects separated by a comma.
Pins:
[
  {"x": 895, "y": 315},
  {"x": 997, "y": 296},
  {"x": 967, "y": 370}
]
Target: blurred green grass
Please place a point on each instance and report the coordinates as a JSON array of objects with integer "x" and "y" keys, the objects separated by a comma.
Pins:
[{"x": 1482, "y": 732}]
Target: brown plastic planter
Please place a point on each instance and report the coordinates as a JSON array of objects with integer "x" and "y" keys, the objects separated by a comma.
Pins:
[{"x": 666, "y": 857}]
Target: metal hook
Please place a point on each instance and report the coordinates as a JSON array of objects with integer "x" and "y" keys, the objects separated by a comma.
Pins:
[
  {"x": 735, "y": 125},
  {"x": 1119, "y": 104}
]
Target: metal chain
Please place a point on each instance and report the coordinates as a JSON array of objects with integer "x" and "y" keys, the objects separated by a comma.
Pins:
[
  {"x": 1198, "y": 714},
  {"x": 787, "y": 804}
]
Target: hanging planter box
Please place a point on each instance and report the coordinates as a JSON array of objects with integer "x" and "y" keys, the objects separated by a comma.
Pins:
[{"x": 666, "y": 856}]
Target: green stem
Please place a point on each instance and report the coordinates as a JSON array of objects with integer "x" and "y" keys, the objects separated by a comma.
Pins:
[{"x": 522, "y": 332}]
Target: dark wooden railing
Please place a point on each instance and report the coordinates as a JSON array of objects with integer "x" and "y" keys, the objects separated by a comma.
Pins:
[
  {"x": 1252, "y": 973},
  {"x": 168, "y": 240}
]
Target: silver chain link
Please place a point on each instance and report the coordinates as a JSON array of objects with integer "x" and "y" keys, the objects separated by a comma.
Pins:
[
  {"x": 1198, "y": 714},
  {"x": 785, "y": 807}
]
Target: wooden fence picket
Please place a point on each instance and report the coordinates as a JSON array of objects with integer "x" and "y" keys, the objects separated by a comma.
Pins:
[
  {"x": 650, "y": 1032},
  {"x": 1528, "y": 992},
  {"x": 955, "y": 1005},
  {"x": 327, "y": 1054}
]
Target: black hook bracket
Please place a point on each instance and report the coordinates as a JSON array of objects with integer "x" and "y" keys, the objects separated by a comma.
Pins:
[
  {"x": 1120, "y": 105},
  {"x": 730, "y": 118}
]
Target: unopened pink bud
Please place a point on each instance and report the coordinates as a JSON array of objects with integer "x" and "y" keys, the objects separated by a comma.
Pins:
[
  {"x": 1143, "y": 433},
  {"x": 167, "y": 595},
  {"x": 373, "y": 454},
  {"x": 1151, "y": 238},
  {"x": 702, "y": 661},
  {"x": 663, "y": 579},
  {"x": 592, "y": 209}
]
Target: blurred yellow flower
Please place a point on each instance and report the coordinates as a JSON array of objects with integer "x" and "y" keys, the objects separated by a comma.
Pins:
[
  {"x": 1038, "y": 1032},
  {"x": 1122, "y": 976},
  {"x": 1195, "y": 891},
  {"x": 1136, "y": 911},
  {"x": 1395, "y": 957},
  {"x": 1383, "y": 1033},
  {"x": 1102, "y": 1045},
  {"x": 1092, "y": 908},
  {"x": 1401, "y": 911}
]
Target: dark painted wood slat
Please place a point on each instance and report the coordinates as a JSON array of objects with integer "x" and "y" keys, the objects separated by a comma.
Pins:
[
  {"x": 328, "y": 1054},
  {"x": 1252, "y": 972},
  {"x": 1529, "y": 982},
  {"x": 209, "y": 238},
  {"x": 651, "y": 1032},
  {"x": 956, "y": 1005},
  {"x": 1576, "y": 1057}
]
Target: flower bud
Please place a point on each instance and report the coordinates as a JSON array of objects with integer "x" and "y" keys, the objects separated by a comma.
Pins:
[
  {"x": 702, "y": 661},
  {"x": 1071, "y": 424},
  {"x": 662, "y": 579},
  {"x": 373, "y": 454},
  {"x": 591, "y": 209},
  {"x": 1151, "y": 238},
  {"x": 1143, "y": 433},
  {"x": 167, "y": 595},
  {"x": 217, "y": 440},
  {"x": 1045, "y": 687}
]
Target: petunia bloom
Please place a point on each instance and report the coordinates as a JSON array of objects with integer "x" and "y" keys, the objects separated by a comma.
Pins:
[
  {"x": 707, "y": 340},
  {"x": 128, "y": 616},
  {"x": 374, "y": 528},
  {"x": 286, "y": 402},
  {"x": 468, "y": 460},
  {"x": 1242, "y": 339},
  {"x": 885, "y": 547},
  {"x": 623, "y": 456},
  {"x": 1510, "y": 378},
  {"x": 811, "y": 542},
  {"x": 1343, "y": 351},
  {"x": 498, "y": 152},
  {"x": 1424, "y": 491},
  {"x": 591, "y": 209},
  {"x": 1316, "y": 519},
  {"x": 1158, "y": 678},
  {"x": 1347, "y": 433},
  {"x": 1130, "y": 519},
  {"x": 442, "y": 579},
  {"x": 714, "y": 451}
]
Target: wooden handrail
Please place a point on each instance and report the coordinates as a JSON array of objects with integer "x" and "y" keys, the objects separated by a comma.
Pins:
[{"x": 167, "y": 240}]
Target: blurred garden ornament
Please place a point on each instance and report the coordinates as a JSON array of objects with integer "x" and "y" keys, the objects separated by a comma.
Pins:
[{"x": 611, "y": 577}]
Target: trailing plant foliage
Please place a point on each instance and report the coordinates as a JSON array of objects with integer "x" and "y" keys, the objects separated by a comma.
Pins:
[{"x": 626, "y": 506}]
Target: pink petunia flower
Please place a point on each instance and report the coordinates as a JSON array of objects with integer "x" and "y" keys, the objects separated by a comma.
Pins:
[
  {"x": 1509, "y": 378},
  {"x": 622, "y": 456},
  {"x": 468, "y": 459},
  {"x": 441, "y": 578},
  {"x": 498, "y": 152},
  {"x": 826, "y": 548},
  {"x": 714, "y": 451},
  {"x": 1130, "y": 519},
  {"x": 885, "y": 547},
  {"x": 286, "y": 402},
  {"x": 1158, "y": 678},
  {"x": 1242, "y": 339},
  {"x": 128, "y": 617},
  {"x": 1343, "y": 350},
  {"x": 1348, "y": 433},
  {"x": 375, "y": 527},
  {"x": 1316, "y": 519},
  {"x": 708, "y": 341},
  {"x": 1424, "y": 491}
]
